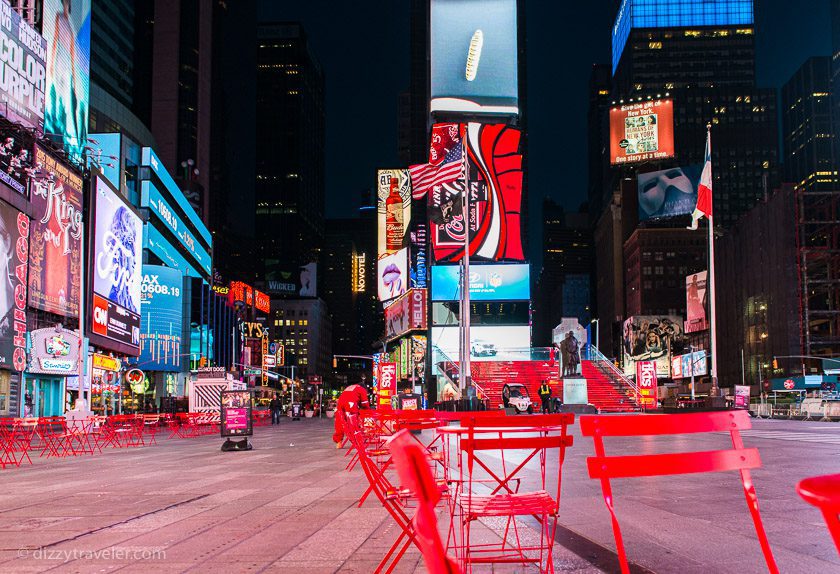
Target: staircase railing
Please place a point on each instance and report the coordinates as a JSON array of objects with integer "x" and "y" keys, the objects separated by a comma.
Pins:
[
  {"x": 591, "y": 353},
  {"x": 448, "y": 365}
]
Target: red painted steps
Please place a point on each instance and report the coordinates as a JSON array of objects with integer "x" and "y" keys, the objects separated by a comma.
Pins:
[{"x": 604, "y": 393}]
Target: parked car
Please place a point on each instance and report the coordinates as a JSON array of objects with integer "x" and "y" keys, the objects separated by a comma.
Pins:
[{"x": 516, "y": 395}]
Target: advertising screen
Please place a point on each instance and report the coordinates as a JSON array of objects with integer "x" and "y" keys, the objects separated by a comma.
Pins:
[
  {"x": 487, "y": 282},
  {"x": 236, "y": 413},
  {"x": 652, "y": 338},
  {"x": 14, "y": 242},
  {"x": 495, "y": 176},
  {"x": 161, "y": 311},
  {"x": 23, "y": 69},
  {"x": 642, "y": 131},
  {"x": 419, "y": 344},
  {"x": 487, "y": 343},
  {"x": 66, "y": 29},
  {"x": 56, "y": 237},
  {"x": 695, "y": 302},
  {"x": 474, "y": 56},
  {"x": 299, "y": 281},
  {"x": 107, "y": 154},
  {"x": 117, "y": 266},
  {"x": 419, "y": 255},
  {"x": 393, "y": 209},
  {"x": 392, "y": 275},
  {"x": 669, "y": 192},
  {"x": 153, "y": 199},
  {"x": 406, "y": 313}
]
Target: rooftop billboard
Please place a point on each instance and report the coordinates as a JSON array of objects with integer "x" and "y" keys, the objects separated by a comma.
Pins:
[{"x": 642, "y": 131}]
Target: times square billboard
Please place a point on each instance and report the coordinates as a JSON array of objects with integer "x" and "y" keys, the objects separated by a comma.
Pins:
[
  {"x": 642, "y": 131},
  {"x": 116, "y": 268},
  {"x": 23, "y": 70},
  {"x": 474, "y": 57},
  {"x": 161, "y": 310},
  {"x": 66, "y": 29},
  {"x": 668, "y": 192},
  {"x": 495, "y": 182}
]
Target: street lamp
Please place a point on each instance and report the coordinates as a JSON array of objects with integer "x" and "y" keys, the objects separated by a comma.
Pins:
[{"x": 597, "y": 329}]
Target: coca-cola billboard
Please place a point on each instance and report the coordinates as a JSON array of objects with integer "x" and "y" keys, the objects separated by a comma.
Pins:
[
  {"x": 54, "y": 257},
  {"x": 393, "y": 209}
]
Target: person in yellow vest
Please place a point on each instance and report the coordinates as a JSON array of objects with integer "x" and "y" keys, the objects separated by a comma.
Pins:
[{"x": 545, "y": 397}]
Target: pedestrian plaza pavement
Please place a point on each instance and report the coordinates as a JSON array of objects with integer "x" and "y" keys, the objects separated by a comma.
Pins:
[{"x": 290, "y": 506}]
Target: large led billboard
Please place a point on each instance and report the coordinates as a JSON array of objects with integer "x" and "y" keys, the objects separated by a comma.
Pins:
[
  {"x": 642, "y": 131},
  {"x": 161, "y": 310},
  {"x": 487, "y": 282},
  {"x": 652, "y": 338},
  {"x": 392, "y": 275},
  {"x": 669, "y": 192},
  {"x": 23, "y": 70},
  {"x": 154, "y": 200},
  {"x": 393, "y": 209},
  {"x": 407, "y": 313},
  {"x": 474, "y": 57},
  {"x": 56, "y": 238},
  {"x": 14, "y": 244},
  {"x": 487, "y": 343},
  {"x": 495, "y": 176},
  {"x": 116, "y": 266},
  {"x": 695, "y": 302},
  {"x": 66, "y": 29}
]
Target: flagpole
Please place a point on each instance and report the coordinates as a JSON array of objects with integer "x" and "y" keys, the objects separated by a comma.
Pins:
[
  {"x": 466, "y": 371},
  {"x": 715, "y": 391}
]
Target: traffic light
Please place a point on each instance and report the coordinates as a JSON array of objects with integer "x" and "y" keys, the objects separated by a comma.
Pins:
[
  {"x": 775, "y": 363},
  {"x": 335, "y": 362}
]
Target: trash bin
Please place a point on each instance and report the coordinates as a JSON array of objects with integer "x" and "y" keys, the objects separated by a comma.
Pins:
[{"x": 296, "y": 411}]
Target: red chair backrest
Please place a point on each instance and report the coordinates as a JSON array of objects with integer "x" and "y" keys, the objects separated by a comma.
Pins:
[
  {"x": 415, "y": 474},
  {"x": 824, "y": 493},
  {"x": 602, "y": 466}
]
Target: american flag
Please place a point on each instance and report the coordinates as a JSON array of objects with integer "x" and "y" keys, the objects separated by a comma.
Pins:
[{"x": 424, "y": 176}]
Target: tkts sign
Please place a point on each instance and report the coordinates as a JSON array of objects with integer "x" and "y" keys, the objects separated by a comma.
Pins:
[
  {"x": 387, "y": 384},
  {"x": 646, "y": 381}
]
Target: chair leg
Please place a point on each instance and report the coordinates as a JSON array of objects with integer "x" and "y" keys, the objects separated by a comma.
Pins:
[
  {"x": 619, "y": 541},
  {"x": 752, "y": 504}
]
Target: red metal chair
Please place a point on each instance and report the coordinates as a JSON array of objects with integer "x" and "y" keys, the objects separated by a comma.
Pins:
[
  {"x": 494, "y": 452},
  {"x": 57, "y": 440},
  {"x": 393, "y": 499},
  {"x": 413, "y": 467},
  {"x": 738, "y": 458},
  {"x": 824, "y": 493}
]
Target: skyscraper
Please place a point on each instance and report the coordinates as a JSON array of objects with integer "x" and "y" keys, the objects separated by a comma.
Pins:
[
  {"x": 700, "y": 54},
  {"x": 181, "y": 103},
  {"x": 290, "y": 149},
  {"x": 811, "y": 168},
  {"x": 806, "y": 127}
]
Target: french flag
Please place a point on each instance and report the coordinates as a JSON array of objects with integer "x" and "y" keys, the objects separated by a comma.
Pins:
[{"x": 704, "y": 190}]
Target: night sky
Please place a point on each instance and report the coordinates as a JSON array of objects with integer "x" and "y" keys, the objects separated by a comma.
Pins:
[{"x": 364, "y": 48}]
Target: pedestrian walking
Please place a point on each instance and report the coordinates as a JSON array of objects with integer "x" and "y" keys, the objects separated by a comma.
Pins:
[
  {"x": 545, "y": 397},
  {"x": 274, "y": 405},
  {"x": 350, "y": 401}
]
